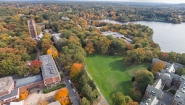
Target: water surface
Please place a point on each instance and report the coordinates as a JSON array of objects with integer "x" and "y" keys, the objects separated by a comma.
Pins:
[{"x": 170, "y": 37}]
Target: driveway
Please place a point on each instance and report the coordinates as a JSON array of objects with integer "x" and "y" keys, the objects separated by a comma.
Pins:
[
  {"x": 72, "y": 91},
  {"x": 34, "y": 96}
]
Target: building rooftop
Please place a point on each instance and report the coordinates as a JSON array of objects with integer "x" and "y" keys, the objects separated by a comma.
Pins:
[
  {"x": 56, "y": 37},
  {"x": 158, "y": 84},
  {"x": 154, "y": 91},
  {"x": 5, "y": 83},
  {"x": 175, "y": 76},
  {"x": 157, "y": 60},
  {"x": 48, "y": 67},
  {"x": 13, "y": 93},
  {"x": 165, "y": 76},
  {"x": 171, "y": 69},
  {"x": 117, "y": 35},
  {"x": 154, "y": 94},
  {"x": 17, "y": 103},
  {"x": 180, "y": 93},
  {"x": 152, "y": 100},
  {"x": 28, "y": 80}
]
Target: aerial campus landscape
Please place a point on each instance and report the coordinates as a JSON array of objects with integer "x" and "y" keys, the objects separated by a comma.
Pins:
[{"x": 85, "y": 52}]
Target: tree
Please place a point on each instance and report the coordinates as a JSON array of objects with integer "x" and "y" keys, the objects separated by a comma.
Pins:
[
  {"x": 75, "y": 70},
  {"x": 46, "y": 43},
  {"x": 133, "y": 103},
  {"x": 103, "y": 45},
  {"x": 89, "y": 48},
  {"x": 62, "y": 96},
  {"x": 23, "y": 94},
  {"x": 158, "y": 66},
  {"x": 118, "y": 46},
  {"x": 29, "y": 44},
  {"x": 164, "y": 56},
  {"x": 173, "y": 56},
  {"x": 25, "y": 56},
  {"x": 180, "y": 71},
  {"x": 136, "y": 95},
  {"x": 142, "y": 79},
  {"x": 118, "y": 99},
  {"x": 53, "y": 51},
  {"x": 136, "y": 55},
  {"x": 84, "y": 101},
  {"x": 35, "y": 66},
  {"x": 128, "y": 99}
]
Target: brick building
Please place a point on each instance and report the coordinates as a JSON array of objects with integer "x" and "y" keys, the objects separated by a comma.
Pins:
[
  {"x": 50, "y": 74},
  {"x": 9, "y": 88}
]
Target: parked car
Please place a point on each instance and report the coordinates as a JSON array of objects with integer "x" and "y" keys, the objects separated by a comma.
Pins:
[
  {"x": 69, "y": 81},
  {"x": 72, "y": 86},
  {"x": 77, "y": 98},
  {"x": 74, "y": 90}
]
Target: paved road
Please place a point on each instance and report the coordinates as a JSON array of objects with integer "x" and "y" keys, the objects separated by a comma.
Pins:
[{"x": 72, "y": 95}]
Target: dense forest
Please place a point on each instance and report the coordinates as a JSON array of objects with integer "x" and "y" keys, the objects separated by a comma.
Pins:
[{"x": 80, "y": 36}]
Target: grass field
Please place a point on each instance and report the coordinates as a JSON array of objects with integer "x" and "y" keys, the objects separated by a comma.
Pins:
[{"x": 110, "y": 73}]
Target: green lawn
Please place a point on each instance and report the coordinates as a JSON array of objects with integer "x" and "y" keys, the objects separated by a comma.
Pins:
[{"x": 110, "y": 73}]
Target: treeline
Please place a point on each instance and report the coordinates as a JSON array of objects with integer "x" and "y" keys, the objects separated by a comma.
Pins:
[
  {"x": 124, "y": 12},
  {"x": 172, "y": 57}
]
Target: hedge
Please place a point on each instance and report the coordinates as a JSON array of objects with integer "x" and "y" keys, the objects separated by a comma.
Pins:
[{"x": 54, "y": 88}]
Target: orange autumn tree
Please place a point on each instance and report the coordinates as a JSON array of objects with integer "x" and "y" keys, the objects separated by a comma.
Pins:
[
  {"x": 89, "y": 48},
  {"x": 34, "y": 66},
  {"x": 158, "y": 66},
  {"x": 23, "y": 94},
  {"x": 133, "y": 103},
  {"x": 62, "y": 96},
  {"x": 75, "y": 69},
  {"x": 53, "y": 51}
]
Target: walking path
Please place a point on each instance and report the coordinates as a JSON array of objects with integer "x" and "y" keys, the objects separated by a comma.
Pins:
[
  {"x": 38, "y": 53},
  {"x": 103, "y": 101}
]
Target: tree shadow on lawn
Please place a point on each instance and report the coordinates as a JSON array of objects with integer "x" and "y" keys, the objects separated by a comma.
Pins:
[
  {"x": 117, "y": 65},
  {"x": 123, "y": 87}
]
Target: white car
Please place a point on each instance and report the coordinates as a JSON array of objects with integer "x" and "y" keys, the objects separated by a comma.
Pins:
[
  {"x": 69, "y": 81},
  {"x": 74, "y": 90}
]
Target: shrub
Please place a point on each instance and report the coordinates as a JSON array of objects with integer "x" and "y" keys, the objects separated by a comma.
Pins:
[{"x": 54, "y": 88}]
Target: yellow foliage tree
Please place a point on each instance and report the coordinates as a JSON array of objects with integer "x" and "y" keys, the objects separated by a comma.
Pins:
[
  {"x": 62, "y": 96},
  {"x": 158, "y": 66},
  {"x": 53, "y": 51},
  {"x": 75, "y": 69},
  {"x": 23, "y": 94}
]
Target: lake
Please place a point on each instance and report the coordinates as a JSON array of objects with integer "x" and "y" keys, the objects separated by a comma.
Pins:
[{"x": 170, "y": 37}]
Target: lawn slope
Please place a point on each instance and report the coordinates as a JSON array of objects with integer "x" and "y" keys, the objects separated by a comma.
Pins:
[{"x": 110, "y": 73}]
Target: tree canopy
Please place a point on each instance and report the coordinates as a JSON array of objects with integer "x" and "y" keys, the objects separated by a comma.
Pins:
[
  {"x": 158, "y": 66},
  {"x": 142, "y": 79}
]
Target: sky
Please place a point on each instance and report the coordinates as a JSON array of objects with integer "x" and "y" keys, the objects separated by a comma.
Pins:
[
  {"x": 160, "y": 1},
  {"x": 163, "y": 1}
]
